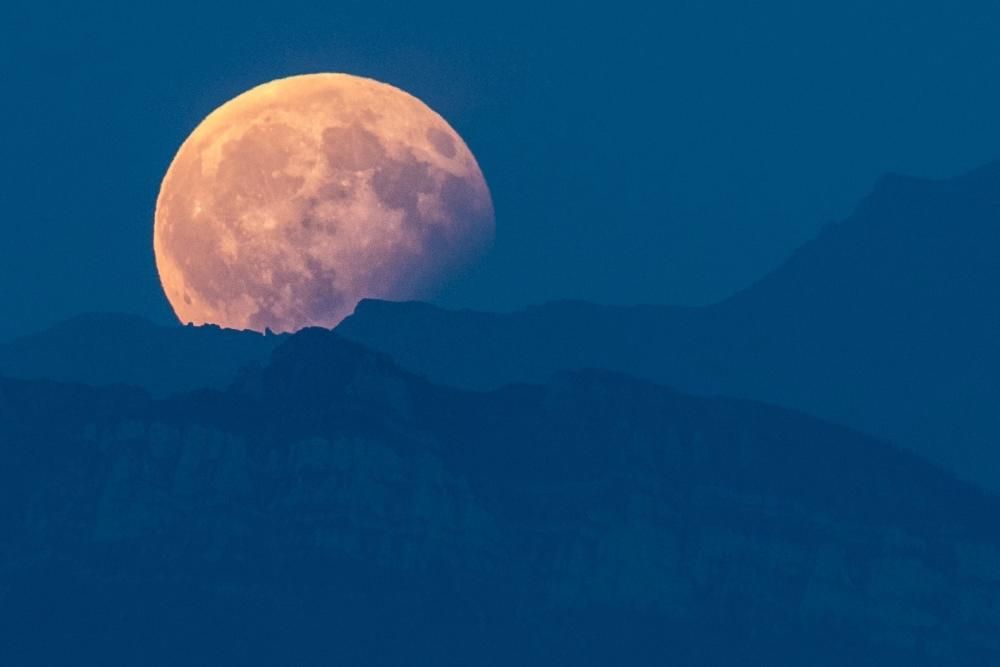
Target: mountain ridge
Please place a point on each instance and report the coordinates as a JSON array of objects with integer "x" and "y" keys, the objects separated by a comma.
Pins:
[
  {"x": 887, "y": 321},
  {"x": 115, "y": 348}
]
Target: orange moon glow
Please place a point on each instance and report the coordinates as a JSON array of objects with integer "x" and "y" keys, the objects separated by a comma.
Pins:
[{"x": 296, "y": 199}]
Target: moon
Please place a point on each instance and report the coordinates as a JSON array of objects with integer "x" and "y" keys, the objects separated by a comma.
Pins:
[{"x": 293, "y": 201}]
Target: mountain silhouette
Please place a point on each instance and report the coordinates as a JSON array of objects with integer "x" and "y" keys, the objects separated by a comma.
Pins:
[
  {"x": 106, "y": 349},
  {"x": 329, "y": 506},
  {"x": 888, "y": 322}
]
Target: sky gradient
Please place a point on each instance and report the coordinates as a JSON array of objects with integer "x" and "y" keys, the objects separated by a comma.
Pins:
[{"x": 635, "y": 154}]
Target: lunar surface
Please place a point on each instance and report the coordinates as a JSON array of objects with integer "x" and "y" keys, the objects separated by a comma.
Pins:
[{"x": 298, "y": 198}]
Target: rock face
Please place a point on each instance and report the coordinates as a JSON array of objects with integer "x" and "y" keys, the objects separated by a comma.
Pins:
[
  {"x": 887, "y": 322},
  {"x": 331, "y": 507}
]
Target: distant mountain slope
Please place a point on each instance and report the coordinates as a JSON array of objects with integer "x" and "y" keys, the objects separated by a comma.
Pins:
[
  {"x": 330, "y": 507},
  {"x": 124, "y": 349},
  {"x": 889, "y": 322}
]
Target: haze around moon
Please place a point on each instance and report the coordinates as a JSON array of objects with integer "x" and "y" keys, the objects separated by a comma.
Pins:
[{"x": 293, "y": 201}]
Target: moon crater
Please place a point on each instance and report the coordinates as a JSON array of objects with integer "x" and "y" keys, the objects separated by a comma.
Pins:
[{"x": 293, "y": 201}]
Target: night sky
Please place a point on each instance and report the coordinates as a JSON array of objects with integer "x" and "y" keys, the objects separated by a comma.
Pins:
[{"x": 666, "y": 154}]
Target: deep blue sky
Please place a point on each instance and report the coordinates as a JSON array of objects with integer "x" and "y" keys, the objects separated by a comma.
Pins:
[{"x": 636, "y": 154}]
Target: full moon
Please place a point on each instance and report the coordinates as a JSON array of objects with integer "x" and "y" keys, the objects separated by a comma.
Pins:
[{"x": 293, "y": 201}]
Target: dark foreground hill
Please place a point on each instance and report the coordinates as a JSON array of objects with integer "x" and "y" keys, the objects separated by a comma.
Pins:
[
  {"x": 888, "y": 322},
  {"x": 330, "y": 508}
]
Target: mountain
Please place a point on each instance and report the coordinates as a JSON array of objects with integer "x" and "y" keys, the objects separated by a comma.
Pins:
[
  {"x": 105, "y": 349},
  {"x": 888, "y": 322},
  {"x": 331, "y": 507}
]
